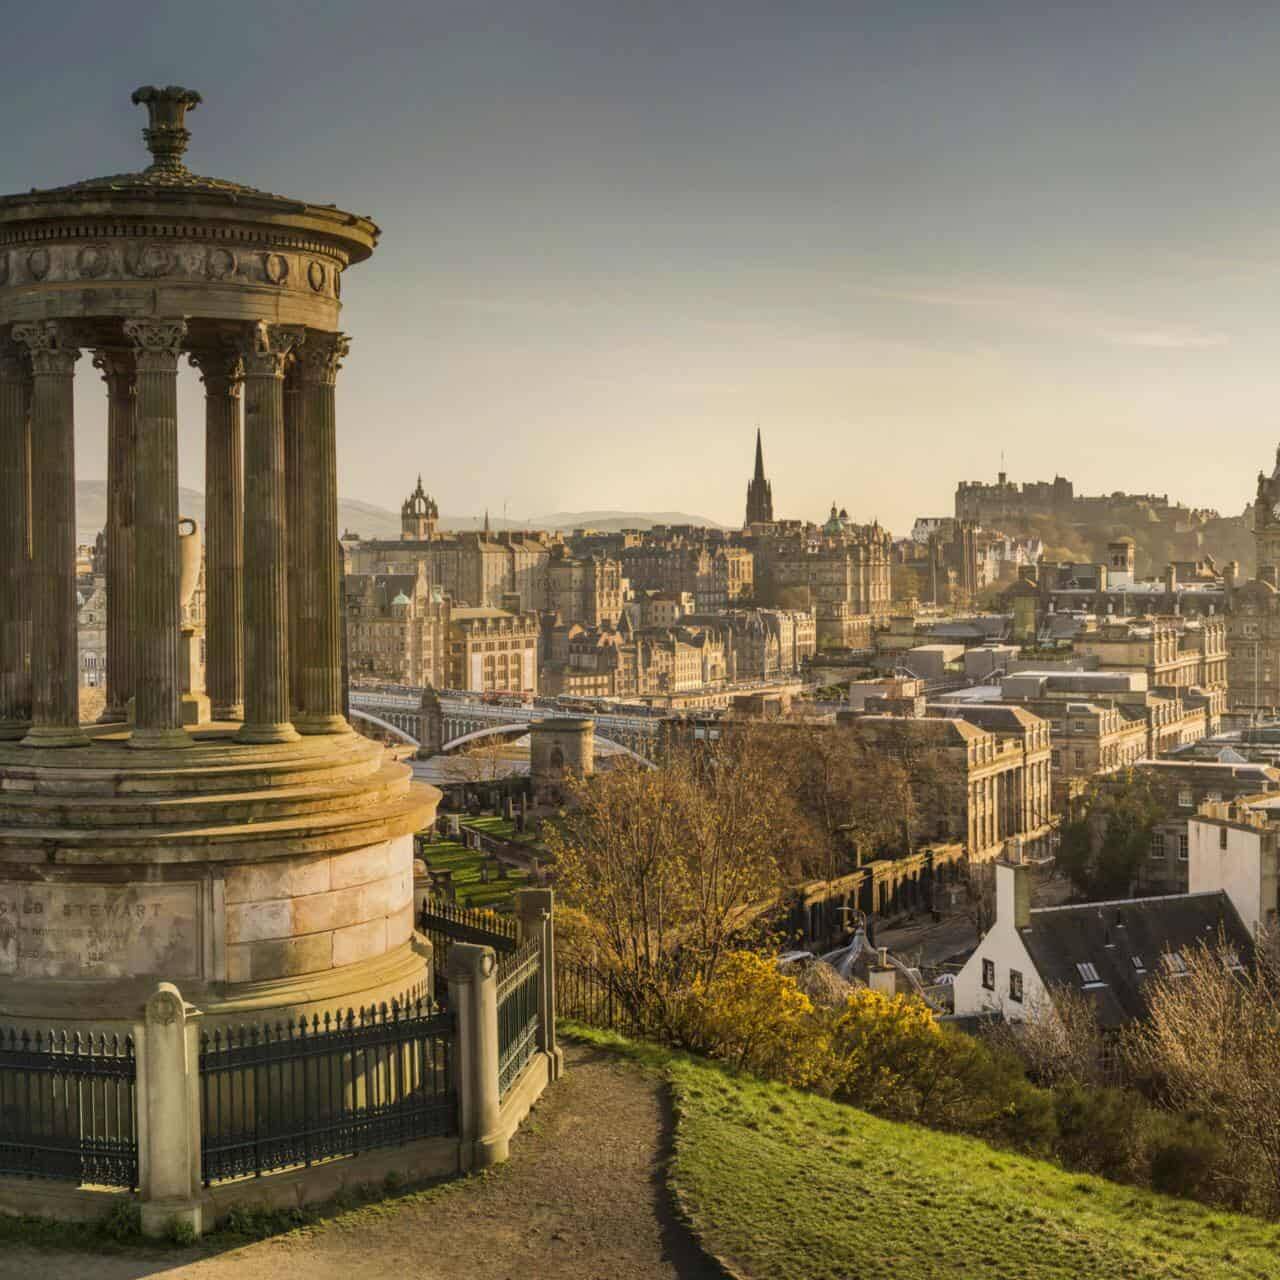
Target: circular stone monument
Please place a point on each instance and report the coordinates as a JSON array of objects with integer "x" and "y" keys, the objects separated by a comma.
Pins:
[{"x": 263, "y": 862}]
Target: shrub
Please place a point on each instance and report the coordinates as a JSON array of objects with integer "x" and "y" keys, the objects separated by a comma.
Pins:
[
  {"x": 180, "y": 1232},
  {"x": 884, "y": 1048},
  {"x": 756, "y": 1019},
  {"x": 1186, "y": 1157},
  {"x": 123, "y": 1223},
  {"x": 1025, "y": 1119},
  {"x": 1100, "y": 1130}
]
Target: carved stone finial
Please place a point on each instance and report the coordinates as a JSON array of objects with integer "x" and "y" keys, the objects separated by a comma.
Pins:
[{"x": 167, "y": 135}]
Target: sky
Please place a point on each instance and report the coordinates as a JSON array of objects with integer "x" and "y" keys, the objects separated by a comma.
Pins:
[{"x": 904, "y": 239}]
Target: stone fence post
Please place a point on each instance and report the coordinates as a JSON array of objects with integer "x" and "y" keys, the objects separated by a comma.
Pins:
[
  {"x": 167, "y": 1050},
  {"x": 535, "y": 912},
  {"x": 473, "y": 995}
]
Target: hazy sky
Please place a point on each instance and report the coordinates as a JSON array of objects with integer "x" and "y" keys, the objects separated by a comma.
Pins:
[{"x": 902, "y": 237}]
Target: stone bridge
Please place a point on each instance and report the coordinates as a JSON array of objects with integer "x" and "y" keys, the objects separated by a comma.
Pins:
[{"x": 457, "y": 720}]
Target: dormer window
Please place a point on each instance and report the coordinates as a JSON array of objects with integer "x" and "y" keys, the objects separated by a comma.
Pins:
[
  {"x": 1087, "y": 972},
  {"x": 1139, "y": 965},
  {"x": 1175, "y": 963}
]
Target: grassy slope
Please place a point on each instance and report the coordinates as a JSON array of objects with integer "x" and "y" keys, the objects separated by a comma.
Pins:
[{"x": 788, "y": 1186}]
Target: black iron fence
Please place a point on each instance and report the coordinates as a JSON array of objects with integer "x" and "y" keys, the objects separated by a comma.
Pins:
[
  {"x": 67, "y": 1107},
  {"x": 518, "y": 1012},
  {"x": 445, "y": 923},
  {"x": 595, "y": 997},
  {"x": 276, "y": 1097}
]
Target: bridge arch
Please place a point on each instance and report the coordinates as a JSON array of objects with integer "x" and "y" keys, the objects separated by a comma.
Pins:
[
  {"x": 510, "y": 732},
  {"x": 358, "y": 714}
]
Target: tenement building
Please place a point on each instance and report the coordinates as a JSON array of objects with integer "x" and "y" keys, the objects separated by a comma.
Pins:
[
  {"x": 493, "y": 650},
  {"x": 261, "y": 860},
  {"x": 840, "y": 571},
  {"x": 397, "y": 629},
  {"x": 983, "y": 779}
]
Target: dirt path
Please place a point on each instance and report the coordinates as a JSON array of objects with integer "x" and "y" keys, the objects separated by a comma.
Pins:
[{"x": 582, "y": 1198}]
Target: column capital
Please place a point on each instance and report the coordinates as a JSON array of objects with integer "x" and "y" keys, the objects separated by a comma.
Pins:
[
  {"x": 119, "y": 369},
  {"x": 322, "y": 357},
  {"x": 157, "y": 343},
  {"x": 15, "y": 363},
  {"x": 265, "y": 348},
  {"x": 52, "y": 346},
  {"x": 221, "y": 369}
]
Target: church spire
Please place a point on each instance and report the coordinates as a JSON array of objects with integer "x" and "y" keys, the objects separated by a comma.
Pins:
[{"x": 759, "y": 491}]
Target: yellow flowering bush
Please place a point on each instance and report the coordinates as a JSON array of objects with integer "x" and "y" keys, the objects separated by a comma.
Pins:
[{"x": 756, "y": 1019}]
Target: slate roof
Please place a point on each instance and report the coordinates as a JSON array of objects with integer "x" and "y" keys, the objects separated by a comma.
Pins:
[{"x": 1110, "y": 935}]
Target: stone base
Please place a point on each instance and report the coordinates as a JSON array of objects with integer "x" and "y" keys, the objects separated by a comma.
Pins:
[
  {"x": 267, "y": 734},
  {"x": 321, "y": 724},
  {"x": 48, "y": 736},
  {"x": 196, "y": 708},
  {"x": 265, "y": 881},
  {"x": 160, "y": 740},
  {"x": 161, "y": 1217}
]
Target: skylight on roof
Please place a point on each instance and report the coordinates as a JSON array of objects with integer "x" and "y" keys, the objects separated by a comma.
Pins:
[{"x": 1088, "y": 972}]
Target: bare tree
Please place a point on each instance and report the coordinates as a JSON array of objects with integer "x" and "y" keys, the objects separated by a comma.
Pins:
[
  {"x": 1059, "y": 1040},
  {"x": 485, "y": 762},
  {"x": 673, "y": 864},
  {"x": 1211, "y": 1045}
]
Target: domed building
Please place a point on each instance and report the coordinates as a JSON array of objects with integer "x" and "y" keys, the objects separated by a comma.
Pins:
[{"x": 262, "y": 860}]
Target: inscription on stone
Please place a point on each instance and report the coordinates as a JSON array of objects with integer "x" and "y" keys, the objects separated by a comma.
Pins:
[{"x": 99, "y": 931}]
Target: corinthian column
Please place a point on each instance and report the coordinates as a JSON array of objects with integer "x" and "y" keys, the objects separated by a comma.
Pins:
[
  {"x": 267, "y": 702},
  {"x": 120, "y": 374},
  {"x": 319, "y": 647},
  {"x": 157, "y": 605},
  {"x": 55, "y": 701},
  {"x": 296, "y": 487},
  {"x": 15, "y": 541},
  {"x": 220, "y": 371}
]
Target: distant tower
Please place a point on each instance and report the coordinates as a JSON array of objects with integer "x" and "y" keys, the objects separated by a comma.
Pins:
[
  {"x": 1266, "y": 519},
  {"x": 759, "y": 491},
  {"x": 418, "y": 516}
]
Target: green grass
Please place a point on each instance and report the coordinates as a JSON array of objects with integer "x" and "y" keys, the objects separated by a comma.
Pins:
[
  {"x": 470, "y": 890},
  {"x": 789, "y": 1186},
  {"x": 501, "y": 829}
]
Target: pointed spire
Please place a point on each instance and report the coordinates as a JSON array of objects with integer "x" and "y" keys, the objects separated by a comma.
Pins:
[
  {"x": 759, "y": 456},
  {"x": 486, "y": 522}
]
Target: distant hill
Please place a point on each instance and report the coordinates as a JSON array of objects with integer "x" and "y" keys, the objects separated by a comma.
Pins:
[
  {"x": 610, "y": 521},
  {"x": 364, "y": 517},
  {"x": 371, "y": 521}
]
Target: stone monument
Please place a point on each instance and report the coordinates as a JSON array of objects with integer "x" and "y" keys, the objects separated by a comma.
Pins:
[{"x": 263, "y": 859}]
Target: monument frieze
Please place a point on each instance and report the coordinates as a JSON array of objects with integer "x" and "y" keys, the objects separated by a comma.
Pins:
[{"x": 99, "y": 261}]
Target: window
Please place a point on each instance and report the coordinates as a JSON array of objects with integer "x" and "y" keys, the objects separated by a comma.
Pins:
[
  {"x": 1079, "y": 759},
  {"x": 1015, "y": 985},
  {"x": 1057, "y": 759},
  {"x": 1087, "y": 971},
  {"x": 1139, "y": 965},
  {"x": 1185, "y": 799},
  {"x": 1182, "y": 847},
  {"x": 1222, "y": 837},
  {"x": 1157, "y": 844},
  {"x": 989, "y": 974},
  {"x": 1174, "y": 963}
]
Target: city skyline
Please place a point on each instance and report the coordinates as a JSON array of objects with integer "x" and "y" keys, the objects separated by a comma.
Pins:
[{"x": 616, "y": 242}]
